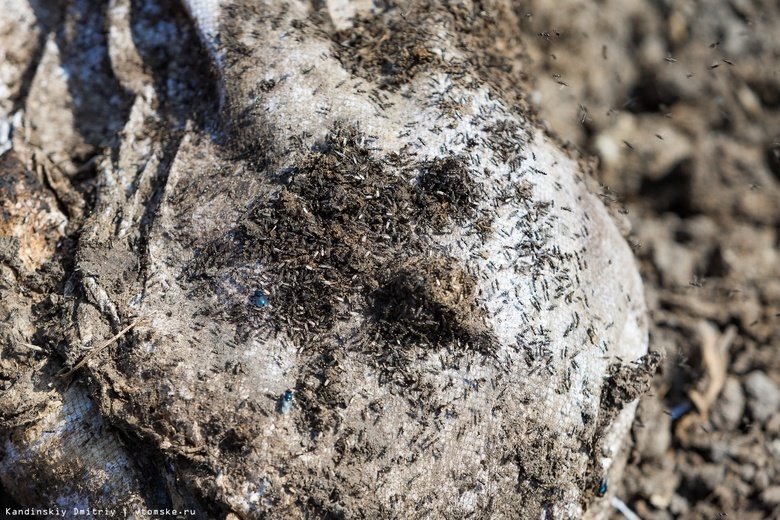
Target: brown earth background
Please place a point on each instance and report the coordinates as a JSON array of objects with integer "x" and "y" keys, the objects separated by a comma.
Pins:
[{"x": 680, "y": 102}]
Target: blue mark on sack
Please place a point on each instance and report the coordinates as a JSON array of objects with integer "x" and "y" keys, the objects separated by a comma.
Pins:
[
  {"x": 287, "y": 400},
  {"x": 259, "y": 299},
  {"x": 603, "y": 487}
]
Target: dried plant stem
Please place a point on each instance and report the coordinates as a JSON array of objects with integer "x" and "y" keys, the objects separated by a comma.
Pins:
[{"x": 66, "y": 373}]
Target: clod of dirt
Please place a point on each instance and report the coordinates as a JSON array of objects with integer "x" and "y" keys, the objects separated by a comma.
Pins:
[
  {"x": 432, "y": 300},
  {"x": 763, "y": 396},
  {"x": 730, "y": 410}
]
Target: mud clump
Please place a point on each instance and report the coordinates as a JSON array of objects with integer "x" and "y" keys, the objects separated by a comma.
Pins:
[
  {"x": 430, "y": 301},
  {"x": 627, "y": 383},
  {"x": 446, "y": 190}
]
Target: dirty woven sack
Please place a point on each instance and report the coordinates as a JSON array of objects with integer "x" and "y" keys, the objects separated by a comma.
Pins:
[{"x": 299, "y": 259}]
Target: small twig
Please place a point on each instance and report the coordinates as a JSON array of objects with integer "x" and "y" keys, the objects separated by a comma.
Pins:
[
  {"x": 714, "y": 352},
  {"x": 65, "y": 373},
  {"x": 714, "y": 356}
]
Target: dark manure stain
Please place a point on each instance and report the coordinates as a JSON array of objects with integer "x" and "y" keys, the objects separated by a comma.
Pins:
[
  {"x": 429, "y": 301},
  {"x": 344, "y": 185},
  {"x": 344, "y": 238},
  {"x": 391, "y": 54},
  {"x": 446, "y": 189},
  {"x": 391, "y": 51}
]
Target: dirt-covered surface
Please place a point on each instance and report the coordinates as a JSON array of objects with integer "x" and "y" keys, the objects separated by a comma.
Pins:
[
  {"x": 681, "y": 103},
  {"x": 346, "y": 273}
]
